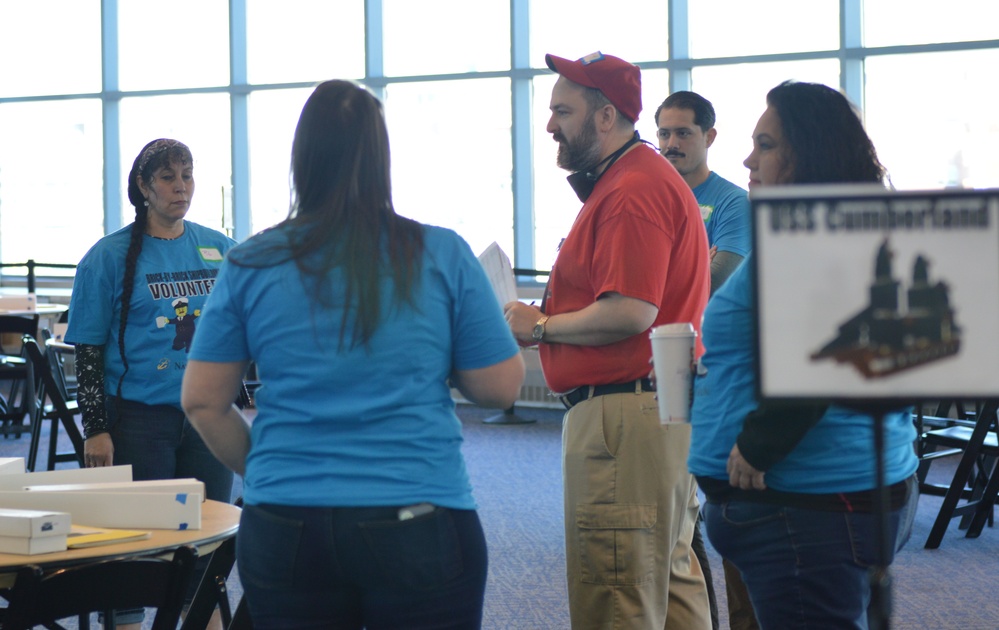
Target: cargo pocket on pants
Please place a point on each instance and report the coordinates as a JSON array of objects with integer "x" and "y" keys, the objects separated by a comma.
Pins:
[{"x": 616, "y": 543}]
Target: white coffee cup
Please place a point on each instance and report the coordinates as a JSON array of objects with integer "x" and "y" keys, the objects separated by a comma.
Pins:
[{"x": 673, "y": 358}]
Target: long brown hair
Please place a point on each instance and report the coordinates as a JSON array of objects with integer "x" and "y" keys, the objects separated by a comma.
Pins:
[{"x": 342, "y": 216}]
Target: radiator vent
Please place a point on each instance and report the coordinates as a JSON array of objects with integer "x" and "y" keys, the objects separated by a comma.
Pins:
[{"x": 534, "y": 392}]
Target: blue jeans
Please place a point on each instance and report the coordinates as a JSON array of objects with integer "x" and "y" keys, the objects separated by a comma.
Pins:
[
  {"x": 159, "y": 443},
  {"x": 804, "y": 568},
  {"x": 310, "y": 567}
]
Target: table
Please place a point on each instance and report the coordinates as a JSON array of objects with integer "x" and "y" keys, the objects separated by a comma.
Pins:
[
  {"x": 219, "y": 524},
  {"x": 42, "y": 310}
]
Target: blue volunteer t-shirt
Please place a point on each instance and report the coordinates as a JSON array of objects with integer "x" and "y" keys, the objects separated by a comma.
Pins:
[
  {"x": 173, "y": 279},
  {"x": 726, "y": 214},
  {"x": 836, "y": 455},
  {"x": 341, "y": 426}
]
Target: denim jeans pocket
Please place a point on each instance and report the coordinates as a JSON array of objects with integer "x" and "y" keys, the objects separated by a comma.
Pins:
[
  {"x": 267, "y": 548},
  {"x": 748, "y": 513},
  {"x": 421, "y": 553},
  {"x": 616, "y": 543}
]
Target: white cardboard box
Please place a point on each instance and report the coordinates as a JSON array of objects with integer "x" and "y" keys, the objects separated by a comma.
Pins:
[
  {"x": 11, "y": 465},
  {"x": 25, "y": 302},
  {"x": 33, "y": 523},
  {"x": 18, "y": 481},
  {"x": 173, "y": 486},
  {"x": 31, "y": 546},
  {"x": 147, "y": 510}
]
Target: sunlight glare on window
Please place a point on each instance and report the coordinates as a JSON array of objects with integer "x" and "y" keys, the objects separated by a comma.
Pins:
[
  {"x": 446, "y": 36},
  {"x": 895, "y": 22},
  {"x": 304, "y": 40},
  {"x": 634, "y": 30},
  {"x": 950, "y": 145},
  {"x": 273, "y": 118},
  {"x": 729, "y": 28},
  {"x": 181, "y": 44},
  {"x": 51, "y": 197},
  {"x": 35, "y": 38},
  {"x": 455, "y": 167}
]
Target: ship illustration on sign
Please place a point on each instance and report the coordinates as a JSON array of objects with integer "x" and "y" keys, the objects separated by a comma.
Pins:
[{"x": 882, "y": 339}]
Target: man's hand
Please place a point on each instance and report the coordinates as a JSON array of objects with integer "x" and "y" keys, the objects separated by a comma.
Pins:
[
  {"x": 521, "y": 319},
  {"x": 98, "y": 451},
  {"x": 741, "y": 474}
]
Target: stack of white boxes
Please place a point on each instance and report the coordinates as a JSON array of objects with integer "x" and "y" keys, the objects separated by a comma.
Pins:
[
  {"x": 33, "y": 531},
  {"x": 30, "y": 531},
  {"x": 103, "y": 497}
]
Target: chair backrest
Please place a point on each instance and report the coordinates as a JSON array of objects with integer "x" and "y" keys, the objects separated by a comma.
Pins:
[
  {"x": 38, "y": 598},
  {"x": 47, "y": 384},
  {"x": 16, "y": 324},
  {"x": 57, "y": 366}
]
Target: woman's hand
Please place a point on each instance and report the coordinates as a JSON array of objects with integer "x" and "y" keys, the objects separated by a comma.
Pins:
[
  {"x": 98, "y": 451},
  {"x": 741, "y": 474}
]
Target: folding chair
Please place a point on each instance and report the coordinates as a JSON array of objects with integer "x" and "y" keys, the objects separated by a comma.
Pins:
[
  {"x": 976, "y": 479},
  {"x": 13, "y": 371},
  {"x": 41, "y": 599},
  {"x": 51, "y": 403}
]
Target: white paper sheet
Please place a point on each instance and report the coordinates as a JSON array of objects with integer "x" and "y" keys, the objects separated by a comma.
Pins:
[{"x": 500, "y": 273}]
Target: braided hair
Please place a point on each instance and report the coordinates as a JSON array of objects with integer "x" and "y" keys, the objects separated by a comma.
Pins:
[{"x": 155, "y": 155}]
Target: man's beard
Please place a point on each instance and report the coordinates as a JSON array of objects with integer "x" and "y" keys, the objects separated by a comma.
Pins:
[{"x": 582, "y": 152}]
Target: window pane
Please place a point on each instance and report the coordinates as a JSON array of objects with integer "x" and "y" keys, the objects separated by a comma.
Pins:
[
  {"x": 655, "y": 89},
  {"x": 452, "y": 162},
  {"x": 273, "y": 117},
  {"x": 739, "y": 96},
  {"x": 201, "y": 121},
  {"x": 51, "y": 193},
  {"x": 304, "y": 40},
  {"x": 555, "y": 204},
  {"x": 896, "y": 22},
  {"x": 197, "y": 55},
  {"x": 50, "y": 47},
  {"x": 952, "y": 144},
  {"x": 634, "y": 30},
  {"x": 728, "y": 28},
  {"x": 445, "y": 36}
]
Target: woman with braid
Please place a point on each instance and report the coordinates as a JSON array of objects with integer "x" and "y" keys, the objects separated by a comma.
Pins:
[{"x": 136, "y": 293}]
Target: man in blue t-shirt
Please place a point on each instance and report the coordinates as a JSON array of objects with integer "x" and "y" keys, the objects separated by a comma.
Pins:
[{"x": 686, "y": 122}]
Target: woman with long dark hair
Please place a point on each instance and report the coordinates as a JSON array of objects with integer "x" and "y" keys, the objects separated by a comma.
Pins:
[
  {"x": 358, "y": 509},
  {"x": 789, "y": 487},
  {"x": 137, "y": 298}
]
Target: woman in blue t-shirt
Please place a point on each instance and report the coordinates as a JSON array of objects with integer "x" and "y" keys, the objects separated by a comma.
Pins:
[
  {"x": 358, "y": 508},
  {"x": 789, "y": 488},
  {"x": 137, "y": 298}
]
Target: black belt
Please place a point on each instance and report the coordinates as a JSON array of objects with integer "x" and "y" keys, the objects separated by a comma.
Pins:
[{"x": 580, "y": 394}]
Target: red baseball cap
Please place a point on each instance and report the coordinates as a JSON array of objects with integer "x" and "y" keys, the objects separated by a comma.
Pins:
[{"x": 618, "y": 80}]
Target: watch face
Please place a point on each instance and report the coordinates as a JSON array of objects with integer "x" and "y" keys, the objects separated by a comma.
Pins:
[{"x": 539, "y": 332}]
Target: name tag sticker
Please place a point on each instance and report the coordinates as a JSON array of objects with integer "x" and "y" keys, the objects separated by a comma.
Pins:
[{"x": 210, "y": 254}]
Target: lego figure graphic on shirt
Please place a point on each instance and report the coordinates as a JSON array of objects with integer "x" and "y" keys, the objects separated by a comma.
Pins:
[{"x": 183, "y": 322}]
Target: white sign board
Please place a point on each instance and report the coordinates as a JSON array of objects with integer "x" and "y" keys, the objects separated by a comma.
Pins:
[{"x": 868, "y": 294}]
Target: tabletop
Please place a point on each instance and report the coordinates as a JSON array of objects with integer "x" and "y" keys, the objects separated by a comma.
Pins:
[
  {"x": 40, "y": 309},
  {"x": 219, "y": 522}
]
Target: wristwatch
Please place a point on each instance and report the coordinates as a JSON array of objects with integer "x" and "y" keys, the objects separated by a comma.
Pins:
[{"x": 539, "y": 329}]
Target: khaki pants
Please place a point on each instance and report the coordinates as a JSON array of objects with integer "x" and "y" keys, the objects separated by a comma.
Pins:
[{"x": 630, "y": 510}]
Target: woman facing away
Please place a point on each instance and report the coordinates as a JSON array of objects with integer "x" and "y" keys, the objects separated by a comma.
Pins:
[
  {"x": 358, "y": 509},
  {"x": 790, "y": 488}
]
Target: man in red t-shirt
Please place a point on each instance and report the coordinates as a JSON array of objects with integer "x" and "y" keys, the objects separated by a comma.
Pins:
[{"x": 636, "y": 257}]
